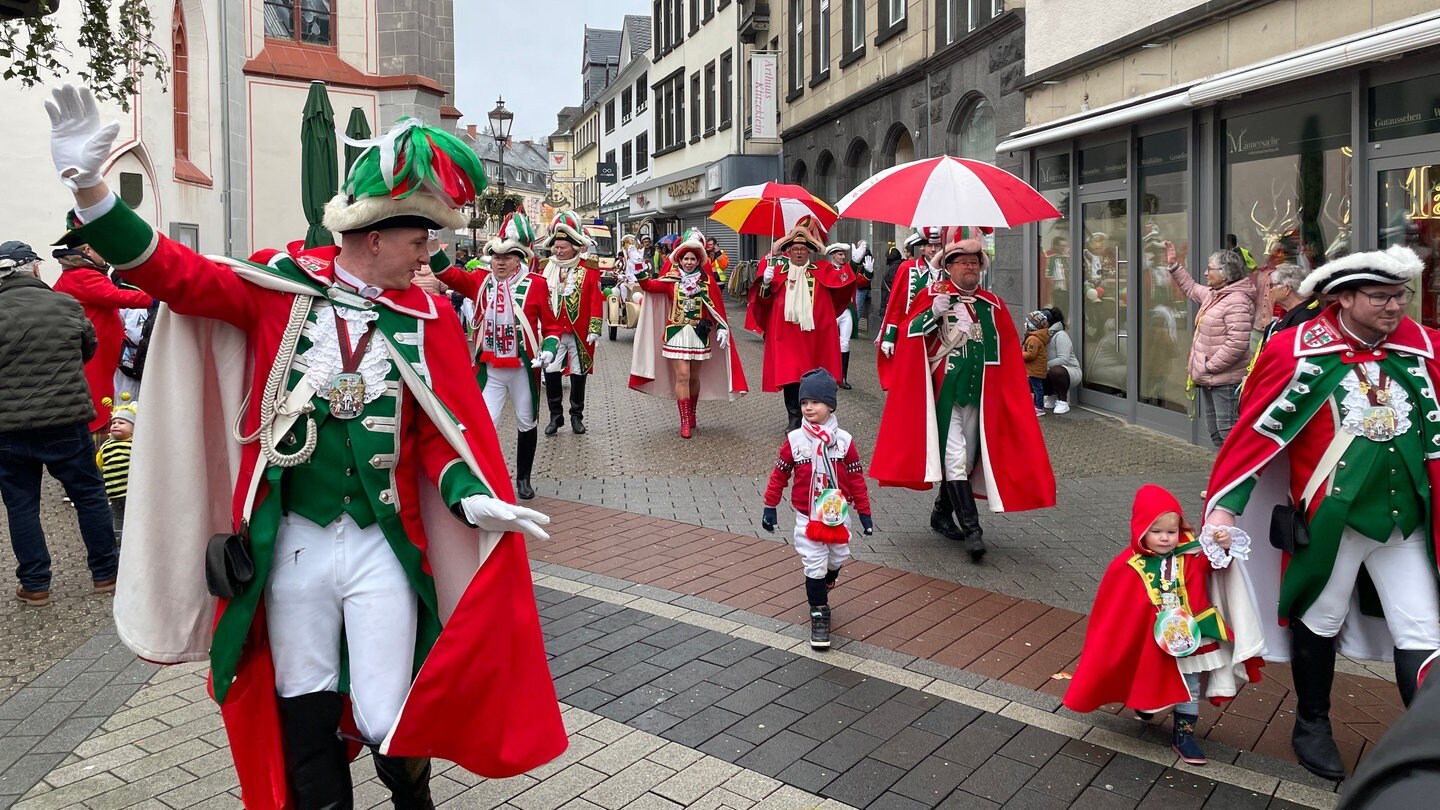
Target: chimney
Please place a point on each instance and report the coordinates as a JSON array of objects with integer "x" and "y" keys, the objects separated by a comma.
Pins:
[{"x": 471, "y": 129}]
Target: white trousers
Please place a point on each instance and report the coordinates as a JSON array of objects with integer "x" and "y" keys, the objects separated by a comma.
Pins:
[
  {"x": 1404, "y": 579},
  {"x": 325, "y": 579},
  {"x": 962, "y": 442},
  {"x": 512, "y": 384},
  {"x": 566, "y": 356},
  {"x": 847, "y": 328},
  {"x": 815, "y": 557}
]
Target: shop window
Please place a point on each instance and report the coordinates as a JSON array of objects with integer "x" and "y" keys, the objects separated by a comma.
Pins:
[
  {"x": 1105, "y": 364},
  {"x": 1052, "y": 180},
  {"x": 1164, "y": 220},
  {"x": 1287, "y": 182},
  {"x": 974, "y": 131},
  {"x": 1409, "y": 215}
]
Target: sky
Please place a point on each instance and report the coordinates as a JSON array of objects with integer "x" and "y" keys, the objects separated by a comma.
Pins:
[{"x": 535, "y": 66}]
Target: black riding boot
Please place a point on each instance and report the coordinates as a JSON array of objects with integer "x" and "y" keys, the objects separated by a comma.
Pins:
[
  {"x": 1312, "y": 662},
  {"x": 577, "y": 403},
  {"x": 1407, "y": 670},
  {"x": 962, "y": 498},
  {"x": 554, "y": 397},
  {"x": 940, "y": 519},
  {"x": 792, "y": 405},
  {"x": 524, "y": 460},
  {"x": 317, "y": 766},
  {"x": 408, "y": 779},
  {"x": 845, "y": 370}
]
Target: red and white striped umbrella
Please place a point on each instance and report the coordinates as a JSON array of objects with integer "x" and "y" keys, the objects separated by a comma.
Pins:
[{"x": 946, "y": 190}]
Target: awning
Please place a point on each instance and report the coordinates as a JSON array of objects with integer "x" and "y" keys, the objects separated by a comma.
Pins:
[{"x": 1389, "y": 40}]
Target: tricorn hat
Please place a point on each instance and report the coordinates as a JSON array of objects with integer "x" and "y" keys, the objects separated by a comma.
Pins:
[
  {"x": 1394, "y": 266},
  {"x": 566, "y": 226},
  {"x": 412, "y": 176},
  {"x": 692, "y": 243},
  {"x": 800, "y": 233},
  {"x": 516, "y": 235}
]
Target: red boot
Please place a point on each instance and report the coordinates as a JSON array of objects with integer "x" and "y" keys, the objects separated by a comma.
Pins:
[
  {"x": 694, "y": 412},
  {"x": 684, "y": 406}
]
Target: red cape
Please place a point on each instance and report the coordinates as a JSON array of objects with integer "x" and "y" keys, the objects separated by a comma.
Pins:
[
  {"x": 728, "y": 384},
  {"x": 790, "y": 352},
  {"x": 102, "y": 302},
  {"x": 1012, "y": 468}
]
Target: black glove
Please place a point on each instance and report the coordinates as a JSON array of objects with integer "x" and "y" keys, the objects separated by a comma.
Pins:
[
  {"x": 768, "y": 519},
  {"x": 868, "y": 524}
]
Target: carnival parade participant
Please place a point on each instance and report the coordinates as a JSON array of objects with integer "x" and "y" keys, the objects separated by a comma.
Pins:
[
  {"x": 795, "y": 306},
  {"x": 682, "y": 325},
  {"x": 578, "y": 304},
  {"x": 840, "y": 254},
  {"x": 958, "y": 371},
  {"x": 83, "y": 277},
  {"x": 352, "y": 434},
  {"x": 829, "y": 483},
  {"x": 1334, "y": 456},
  {"x": 911, "y": 277},
  {"x": 512, "y": 334}
]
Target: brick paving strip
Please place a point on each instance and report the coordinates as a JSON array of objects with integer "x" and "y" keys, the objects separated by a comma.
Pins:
[{"x": 678, "y": 701}]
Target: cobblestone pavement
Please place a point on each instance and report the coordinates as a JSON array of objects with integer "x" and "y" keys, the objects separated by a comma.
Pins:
[{"x": 670, "y": 701}]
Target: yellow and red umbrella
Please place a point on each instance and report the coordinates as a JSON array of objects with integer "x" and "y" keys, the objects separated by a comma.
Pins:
[{"x": 770, "y": 209}]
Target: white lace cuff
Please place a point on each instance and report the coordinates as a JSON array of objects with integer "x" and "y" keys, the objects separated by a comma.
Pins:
[{"x": 1219, "y": 557}]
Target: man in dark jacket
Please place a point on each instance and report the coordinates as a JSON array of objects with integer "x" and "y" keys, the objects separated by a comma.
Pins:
[{"x": 45, "y": 340}]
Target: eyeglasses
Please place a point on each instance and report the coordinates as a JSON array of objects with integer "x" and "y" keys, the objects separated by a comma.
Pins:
[{"x": 1383, "y": 299}]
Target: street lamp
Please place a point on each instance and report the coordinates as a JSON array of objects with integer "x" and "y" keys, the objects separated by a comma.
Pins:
[{"x": 500, "y": 121}]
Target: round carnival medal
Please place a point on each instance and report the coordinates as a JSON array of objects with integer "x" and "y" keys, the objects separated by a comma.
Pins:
[
  {"x": 831, "y": 508},
  {"x": 1176, "y": 632},
  {"x": 347, "y": 395},
  {"x": 1378, "y": 423}
]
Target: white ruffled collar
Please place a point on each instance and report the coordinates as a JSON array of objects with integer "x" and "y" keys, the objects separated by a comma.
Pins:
[{"x": 323, "y": 357}]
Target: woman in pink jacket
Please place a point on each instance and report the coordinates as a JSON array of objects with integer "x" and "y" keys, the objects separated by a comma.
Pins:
[{"x": 1221, "y": 346}]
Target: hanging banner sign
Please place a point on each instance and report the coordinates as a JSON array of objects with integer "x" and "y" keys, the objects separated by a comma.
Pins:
[
  {"x": 764, "y": 96},
  {"x": 560, "y": 162}
]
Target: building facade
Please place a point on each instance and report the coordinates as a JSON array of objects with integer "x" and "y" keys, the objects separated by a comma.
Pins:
[
  {"x": 625, "y": 139},
  {"x": 1305, "y": 128},
  {"x": 870, "y": 84},
  {"x": 701, "y": 147}
]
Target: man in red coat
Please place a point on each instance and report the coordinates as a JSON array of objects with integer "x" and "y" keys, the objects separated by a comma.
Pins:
[
  {"x": 795, "y": 306},
  {"x": 388, "y": 596},
  {"x": 959, "y": 373},
  {"x": 577, "y": 302},
  {"x": 83, "y": 278}
]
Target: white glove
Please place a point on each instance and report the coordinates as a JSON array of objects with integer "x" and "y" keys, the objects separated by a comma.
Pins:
[
  {"x": 723, "y": 338},
  {"x": 940, "y": 305},
  {"x": 769, "y": 273},
  {"x": 494, "y": 515},
  {"x": 869, "y": 265},
  {"x": 857, "y": 253},
  {"x": 592, "y": 338},
  {"x": 887, "y": 348},
  {"x": 545, "y": 359},
  {"x": 78, "y": 143}
]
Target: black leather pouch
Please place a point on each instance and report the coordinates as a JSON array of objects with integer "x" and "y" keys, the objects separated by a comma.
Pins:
[
  {"x": 228, "y": 565},
  {"x": 1288, "y": 529}
]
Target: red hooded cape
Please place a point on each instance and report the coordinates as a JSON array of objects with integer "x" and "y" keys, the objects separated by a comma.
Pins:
[
  {"x": 1121, "y": 663},
  {"x": 1012, "y": 469}
]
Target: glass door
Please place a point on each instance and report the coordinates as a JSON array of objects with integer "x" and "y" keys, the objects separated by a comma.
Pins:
[
  {"x": 1407, "y": 197},
  {"x": 1104, "y": 270}
]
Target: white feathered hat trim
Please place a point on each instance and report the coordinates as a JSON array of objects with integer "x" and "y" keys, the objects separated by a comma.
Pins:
[
  {"x": 840, "y": 246},
  {"x": 692, "y": 245},
  {"x": 1394, "y": 266},
  {"x": 343, "y": 215}
]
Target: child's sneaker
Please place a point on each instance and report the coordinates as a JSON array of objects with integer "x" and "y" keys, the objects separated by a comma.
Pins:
[
  {"x": 820, "y": 627},
  {"x": 1182, "y": 739}
]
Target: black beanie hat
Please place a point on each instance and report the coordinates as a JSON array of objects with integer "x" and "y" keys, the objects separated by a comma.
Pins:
[{"x": 819, "y": 385}]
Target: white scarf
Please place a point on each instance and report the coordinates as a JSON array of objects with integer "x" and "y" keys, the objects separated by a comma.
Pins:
[
  {"x": 799, "y": 305},
  {"x": 822, "y": 467},
  {"x": 497, "y": 328},
  {"x": 555, "y": 270}
]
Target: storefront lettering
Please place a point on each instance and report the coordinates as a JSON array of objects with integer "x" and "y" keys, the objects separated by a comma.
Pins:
[
  {"x": 1252, "y": 146},
  {"x": 1405, "y": 109},
  {"x": 1423, "y": 191},
  {"x": 1054, "y": 172},
  {"x": 683, "y": 188}
]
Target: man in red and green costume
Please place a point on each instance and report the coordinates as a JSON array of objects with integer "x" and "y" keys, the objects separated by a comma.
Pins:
[
  {"x": 1340, "y": 417},
  {"x": 577, "y": 303},
  {"x": 513, "y": 334},
  {"x": 390, "y": 603},
  {"x": 958, "y": 371}
]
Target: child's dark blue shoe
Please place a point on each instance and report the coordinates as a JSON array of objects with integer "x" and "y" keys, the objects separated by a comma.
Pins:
[{"x": 1182, "y": 739}]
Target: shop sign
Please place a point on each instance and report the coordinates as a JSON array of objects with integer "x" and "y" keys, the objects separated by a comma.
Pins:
[
  {"x": 1052, "y": 173},
  {"x": 684, "y": 188},
  {"x": 1164, "y": 153},
  {"x": 1405, "y": 109},
  {"x": 764, "y": 95},
  {"x": 1106, "y": 162},
  {"x": 605, "y": 172},
  {"x": 1308, "y": 127}
]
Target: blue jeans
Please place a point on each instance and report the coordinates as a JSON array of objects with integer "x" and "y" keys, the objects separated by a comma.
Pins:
[
  {"x": 69, "y": 454},
  {"x": 1037, "y": 391}
]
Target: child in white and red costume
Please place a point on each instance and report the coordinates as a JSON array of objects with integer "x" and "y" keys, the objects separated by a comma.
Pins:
[
  {"x": 822, "y": 523},
  {"x": 1166, "y": 568}
]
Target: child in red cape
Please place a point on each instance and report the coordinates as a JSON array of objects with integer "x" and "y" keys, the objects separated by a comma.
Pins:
[{"x": 1154, "y": 628}]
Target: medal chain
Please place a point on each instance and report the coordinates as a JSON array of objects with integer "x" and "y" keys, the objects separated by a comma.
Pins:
[
  {"x": 350, "y": 359},
  {"x": 1378, "y": 391}
]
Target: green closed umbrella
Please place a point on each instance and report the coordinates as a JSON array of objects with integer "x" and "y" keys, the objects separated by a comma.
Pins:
[
  {"x": 357, "y": 130},
  {"x": 319, "y": 171}
]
